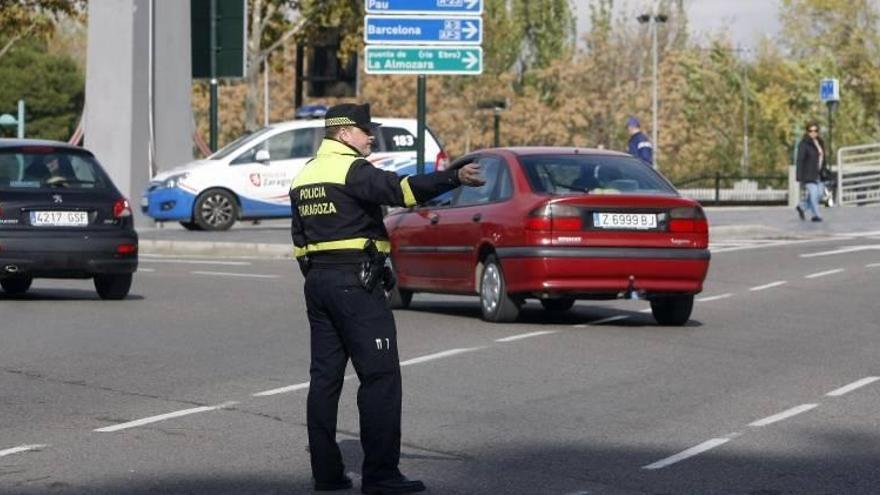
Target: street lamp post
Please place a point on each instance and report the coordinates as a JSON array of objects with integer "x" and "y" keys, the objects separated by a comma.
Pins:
[{"x": 653, "y": 18}]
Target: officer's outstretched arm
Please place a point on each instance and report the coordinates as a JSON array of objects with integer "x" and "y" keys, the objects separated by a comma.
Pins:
[{"x": 370, "y": 184}]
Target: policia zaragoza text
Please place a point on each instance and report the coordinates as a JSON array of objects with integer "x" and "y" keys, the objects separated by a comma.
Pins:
[{"x": 341, "y": 244}]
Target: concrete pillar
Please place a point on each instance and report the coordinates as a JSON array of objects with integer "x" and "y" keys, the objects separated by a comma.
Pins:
[{"x": 138, "y": 117}]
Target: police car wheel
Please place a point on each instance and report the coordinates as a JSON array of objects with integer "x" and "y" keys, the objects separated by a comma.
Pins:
[
  {"x": 190, "y": 226},
  {"x": 215, "y": 209},
  {"x": 17, "y": 285},
  {"x": 496, "y": 304}
]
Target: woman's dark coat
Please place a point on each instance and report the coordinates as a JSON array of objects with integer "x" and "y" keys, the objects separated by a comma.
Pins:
[{"x": 808, "y": 160}]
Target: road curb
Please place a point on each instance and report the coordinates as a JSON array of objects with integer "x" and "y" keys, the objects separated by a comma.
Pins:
[{"x": 215, "y": 249}]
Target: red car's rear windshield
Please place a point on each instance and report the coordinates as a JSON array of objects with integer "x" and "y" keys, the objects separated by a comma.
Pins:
[
  {"x": 38, "y": 167},
  {"x": 593, "y": 174}
]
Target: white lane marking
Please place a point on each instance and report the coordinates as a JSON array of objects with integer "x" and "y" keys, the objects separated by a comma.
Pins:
[
  {"x": 603, "y": 320},
  {"x": 162, "y": 417},
  {"x": 646, "y": 310},
  {"x": 526, "y": 335},
  {"x": 608, "y": 320},
  {"x": 783, "y": 415},
  {"x": 872, "y": 265},
  {"x": 843, "y": 250},
  {"x": 825, "y": 273},
  {"x": 715, "y": 298},
  {"x": 147, "y": 270},
  {"x": 852, "y": 386},
  {"x": 197, "y": 262},
  {"x": 439, "y": 355},
  {"x": 228, "y": 274},
  {"x": 282, "y": 390},
  {"x": 769, "y": 286},
  {"x": 22, "y": 448},
  {"x": 695, "y": 450}
]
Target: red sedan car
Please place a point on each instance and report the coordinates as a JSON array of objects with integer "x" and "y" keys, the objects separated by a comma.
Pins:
[{"x": 556, "y": 224}]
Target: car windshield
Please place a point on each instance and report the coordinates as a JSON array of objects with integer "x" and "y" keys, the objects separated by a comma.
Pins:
[
  {"x": 233, "y": 146},
  {"x": 40, "y": 167},
  {"x": 593, "y": 174}
]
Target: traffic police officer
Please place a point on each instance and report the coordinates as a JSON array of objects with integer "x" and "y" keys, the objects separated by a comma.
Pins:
[{"x": 341, "y": 243}]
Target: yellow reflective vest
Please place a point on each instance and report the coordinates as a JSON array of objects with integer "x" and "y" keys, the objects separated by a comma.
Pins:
[{"x": 336, "y": 201}]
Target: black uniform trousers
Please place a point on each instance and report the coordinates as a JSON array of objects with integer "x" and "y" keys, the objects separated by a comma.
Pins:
[{"x": 349, "y": 322}]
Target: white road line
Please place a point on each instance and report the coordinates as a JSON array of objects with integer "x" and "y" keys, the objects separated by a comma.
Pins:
[
  {"x": 608, "y": 320},
  {"x": 843, "y": 250},
  {"x": 22, "y": 448},
  {"x": 162, "y": 417},
  {"x": 783, "y": 415},
  {"x": 228, "y": 274},
  {"x": 196, "y": 262},
  {"x": 526, "y": 335},
  {"x": 282, "y": 390},
  {"x": 147, "y": 270},
  {"x": 439, "y": 355},
  {"x": 872, "y": 265},
  {"x": 715, "y": 298},
  {"x": 825, "y": 273},
  {"x": 695, "y": 450},
  {"x": 646, "y": 310},
  {"x": 769, "y": 286},
  {"x": 852, "y": 386}
]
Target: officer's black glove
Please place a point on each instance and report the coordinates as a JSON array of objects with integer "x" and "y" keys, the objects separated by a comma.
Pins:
[
  {"x": 304, "y": 265},
  {"x": 389, "y": 280}
]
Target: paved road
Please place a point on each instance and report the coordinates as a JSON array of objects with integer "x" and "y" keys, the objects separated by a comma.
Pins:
[
  {"x": 271, "y": 238},
  {"x": 196, "y": 385}
]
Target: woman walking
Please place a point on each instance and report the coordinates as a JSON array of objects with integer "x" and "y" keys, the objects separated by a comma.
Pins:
[{"x": 810, "y": 162}]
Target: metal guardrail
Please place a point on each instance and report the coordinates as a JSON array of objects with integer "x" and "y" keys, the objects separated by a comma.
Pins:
[
  {"x": 858, "y": 175},
  {"x": 713, "y": 190}
]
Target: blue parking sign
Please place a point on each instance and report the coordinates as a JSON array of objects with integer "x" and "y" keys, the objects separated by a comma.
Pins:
[{"x": 829, "y": 90}]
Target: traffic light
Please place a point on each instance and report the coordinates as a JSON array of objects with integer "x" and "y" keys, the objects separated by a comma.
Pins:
[{"x": 327, "y": 74}]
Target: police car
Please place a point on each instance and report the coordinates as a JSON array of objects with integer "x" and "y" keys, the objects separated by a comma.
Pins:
[{"x": 250, "y": 177}]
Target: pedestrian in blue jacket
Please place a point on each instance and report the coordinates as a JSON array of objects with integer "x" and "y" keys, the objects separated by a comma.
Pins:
[{"x": 639, "y": 144}]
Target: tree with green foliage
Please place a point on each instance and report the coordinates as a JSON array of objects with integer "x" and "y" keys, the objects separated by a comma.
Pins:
[
  {"x": 20, "y": 19},
  {"x": 51, "y": 85}
]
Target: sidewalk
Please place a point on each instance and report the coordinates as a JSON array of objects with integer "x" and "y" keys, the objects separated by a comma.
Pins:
[{"x": 271, "y": 238}]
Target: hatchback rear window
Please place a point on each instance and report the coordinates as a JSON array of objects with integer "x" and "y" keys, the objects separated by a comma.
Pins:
[
  {"x": 593, "y": 174},
  {"x": 49, "y": 168}
]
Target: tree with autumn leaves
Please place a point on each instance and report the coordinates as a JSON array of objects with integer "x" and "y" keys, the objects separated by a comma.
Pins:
[{"x": 568, "y": 90}]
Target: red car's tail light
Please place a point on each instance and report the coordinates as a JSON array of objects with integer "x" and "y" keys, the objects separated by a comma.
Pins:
[
  {"x": 555, "y": 217},
  {"x": 688, "y": 220},
  {"x": 121, "y": 208},
  {"x": 441, "y": 161},
  {"x": 126, "y": 249}
]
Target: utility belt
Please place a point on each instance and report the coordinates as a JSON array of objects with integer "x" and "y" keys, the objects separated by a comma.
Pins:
[{"x": 370, "y": 265}]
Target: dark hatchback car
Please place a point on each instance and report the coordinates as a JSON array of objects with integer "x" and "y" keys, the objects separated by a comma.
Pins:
[
  {"x": 555, "y": 224},
  {"x": 62, "y": 217}
]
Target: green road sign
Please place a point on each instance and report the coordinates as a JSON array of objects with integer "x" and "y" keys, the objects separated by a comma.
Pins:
[
  {"x": 231, "y": 16},
  {"x": 424, "y": 60}
]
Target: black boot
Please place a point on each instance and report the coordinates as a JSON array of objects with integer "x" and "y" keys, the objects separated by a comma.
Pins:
[
  {"x": 343, "y": 483},
  {"x": 396, "y": 485}
]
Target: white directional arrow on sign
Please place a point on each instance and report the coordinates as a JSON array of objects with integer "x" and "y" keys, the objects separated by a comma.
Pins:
[
  {"x": 471, "y": 3},
  {"x": 470, "y": 30},
  {"x": 470, "y": 60}
]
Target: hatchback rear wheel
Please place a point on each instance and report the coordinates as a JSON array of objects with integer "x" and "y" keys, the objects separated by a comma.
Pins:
[
  {"x": 215, "y": 209},
  {"x": 113, "y": 287},
  {"x": 496, "y": 304},
  {"x": 16, "y": 285},
  {"x": 672, "y": 310}
]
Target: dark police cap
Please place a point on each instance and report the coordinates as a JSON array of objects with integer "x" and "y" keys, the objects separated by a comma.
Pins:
[{"x": 349, "y": 114}]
